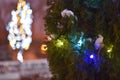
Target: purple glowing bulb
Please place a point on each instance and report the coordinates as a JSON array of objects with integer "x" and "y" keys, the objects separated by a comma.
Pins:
[{"x": 91, "y": 56}]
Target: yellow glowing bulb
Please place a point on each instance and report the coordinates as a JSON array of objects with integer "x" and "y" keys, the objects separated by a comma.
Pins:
[
  {"x": 44, "y": 47},
  {"x": 23, "y": 3},
  {"x": 26, "y": 47},
  {"x": 110, "y": 49},
  {"x": 59, "y": 43},
  {"x": 18, "y": 6},
  {"x": 12, "y": 42}
]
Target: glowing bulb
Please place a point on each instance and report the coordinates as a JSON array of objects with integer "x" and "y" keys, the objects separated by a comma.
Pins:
[
  {"x": 12, "y": 42},
  {"x": 110, "y": 49},
  {"x": 59, "y": 43},
  {"x": 26, "y": 47},
  {"x": 19, "y": 56},
  {"x": 91, "y": 56},
  {"x": 80, "y": 42},
  {"x": 44, "y": 47}
]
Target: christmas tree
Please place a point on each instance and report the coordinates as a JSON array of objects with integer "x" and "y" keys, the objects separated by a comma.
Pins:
[{"x": 84, "y": 39}]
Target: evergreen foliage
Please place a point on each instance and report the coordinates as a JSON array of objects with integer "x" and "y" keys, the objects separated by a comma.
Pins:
[{"x": 76, "y": 24}]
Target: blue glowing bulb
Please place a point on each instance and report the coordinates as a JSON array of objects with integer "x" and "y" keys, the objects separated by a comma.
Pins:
[{"x": 91, "y": 56}]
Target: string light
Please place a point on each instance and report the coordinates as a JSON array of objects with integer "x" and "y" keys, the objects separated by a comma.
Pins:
[{"x": 20, "y": 27}]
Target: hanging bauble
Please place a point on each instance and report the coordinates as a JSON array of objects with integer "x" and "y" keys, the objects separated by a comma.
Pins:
[{"x": 67, "y": 13}]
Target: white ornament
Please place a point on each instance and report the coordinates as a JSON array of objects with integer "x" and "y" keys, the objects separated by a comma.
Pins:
[
  {"x": 67, "y": 12},
  {"x": 99, "y": 42}
]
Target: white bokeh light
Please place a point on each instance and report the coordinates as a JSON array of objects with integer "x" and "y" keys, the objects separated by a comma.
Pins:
[{"x": 91, "y": 56}]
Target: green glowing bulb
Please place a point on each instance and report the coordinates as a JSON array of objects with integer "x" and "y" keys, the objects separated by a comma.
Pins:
[{"x": 59, "y": 43}]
